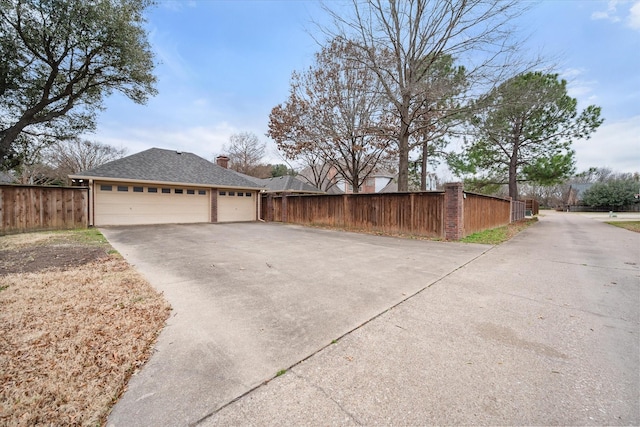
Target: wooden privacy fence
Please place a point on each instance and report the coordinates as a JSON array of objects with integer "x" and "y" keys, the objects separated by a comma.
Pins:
[
  {"x": 484, "y": 212},
  {"x": 451, "y": 214},
  {"x": 518, "y": 210},
  {"x": 532, "y": 206},
  {"x": 400, "y": 213},
  {"x": 29, "y": 208}
]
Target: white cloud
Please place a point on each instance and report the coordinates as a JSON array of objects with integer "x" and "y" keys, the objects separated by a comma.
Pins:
[
  {"x": 168, "y": 53},
  {"x": 571, "y": 73},
  {"x": 610, "y": 14},
  {"x": 205, "y": 141},
  {"x": 615, "y": 145},
  {"x": 578, "y": 87},
  {"x": 177, "y": 5},
  {"x": 634, "y": 16}
]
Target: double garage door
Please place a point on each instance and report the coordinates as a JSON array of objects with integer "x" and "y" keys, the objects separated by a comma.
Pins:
[{"x": 122, "y": 204}]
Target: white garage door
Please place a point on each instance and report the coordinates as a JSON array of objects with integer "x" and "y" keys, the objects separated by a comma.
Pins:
[
  {"x": 122, "y": 204},
  {"x": 236, "y": 206}
]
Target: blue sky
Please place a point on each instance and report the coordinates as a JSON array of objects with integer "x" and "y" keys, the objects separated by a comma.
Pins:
[{"x": 223, "y": 65}]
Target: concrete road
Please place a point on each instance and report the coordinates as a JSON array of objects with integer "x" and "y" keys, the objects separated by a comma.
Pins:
[
  {"x": 541, "y": 330},
  {"x": 252, "y": 299}
]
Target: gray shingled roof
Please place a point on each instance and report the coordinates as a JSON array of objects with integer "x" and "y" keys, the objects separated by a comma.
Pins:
[
  {"x": 284, "y": 183},
  {"x": 158, "y": 165}
]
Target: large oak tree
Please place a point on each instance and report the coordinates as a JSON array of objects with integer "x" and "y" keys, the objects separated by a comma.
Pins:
[{"x": 61, "y": 58}]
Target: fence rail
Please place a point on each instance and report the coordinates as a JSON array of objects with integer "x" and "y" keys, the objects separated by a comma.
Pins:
[
  {"x": 30, "y": 208},
  {"x": 419, "y": 213}
]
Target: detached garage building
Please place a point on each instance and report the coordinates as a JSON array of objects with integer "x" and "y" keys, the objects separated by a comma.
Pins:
[{"x": 159, "y": 186}]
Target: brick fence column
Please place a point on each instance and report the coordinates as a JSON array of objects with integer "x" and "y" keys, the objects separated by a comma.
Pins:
[
  {"x": 453, "y": 211},
  {"x": 283, "y": 208}
]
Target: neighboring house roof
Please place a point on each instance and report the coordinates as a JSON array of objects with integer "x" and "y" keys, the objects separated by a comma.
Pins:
[
  {"x": 334, "y": 189},
  {"x": 333, "y": 179},
  {"x": 382, "y": 173},
  {"x": 576, "y": 191},
  {"x": 6, "y": 178},
  {"x": 169, "y": 166},
  {"x": 581, "y": 188},
  {"x": 391, "y": 187},
  {"x": 284, "y": 183}
]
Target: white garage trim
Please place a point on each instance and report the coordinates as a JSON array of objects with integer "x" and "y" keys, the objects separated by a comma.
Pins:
[
  {"x": 121, "y": 203},
  {"x": 234, "y": 205}
]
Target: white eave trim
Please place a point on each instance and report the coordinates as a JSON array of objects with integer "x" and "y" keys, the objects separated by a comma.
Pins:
[{"x": 170, "y": 183}]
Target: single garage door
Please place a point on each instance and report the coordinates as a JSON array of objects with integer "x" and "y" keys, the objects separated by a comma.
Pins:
[
  {"x": 122, "y": 204},
  {"x": 236, "y": 206}
]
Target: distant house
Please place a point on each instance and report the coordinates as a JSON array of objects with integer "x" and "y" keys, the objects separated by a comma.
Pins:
[
  {"x": 374, "y": 183},
  {"x": 575, "y": 193},
  {"x": 379, "y": 181},
  {"x": 159, "y": 186},
  {"x": 284, "y": 184}
]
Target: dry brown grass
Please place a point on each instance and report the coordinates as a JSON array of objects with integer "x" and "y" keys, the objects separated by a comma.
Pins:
[{"x": 70, "y": 338}]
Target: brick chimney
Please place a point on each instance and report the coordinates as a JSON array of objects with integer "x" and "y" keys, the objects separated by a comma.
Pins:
[{"x": 223, "y": 161}]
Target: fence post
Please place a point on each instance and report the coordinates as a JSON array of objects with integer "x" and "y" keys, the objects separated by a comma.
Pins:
[
  {"x": 268, "y": 214},
  {"x": 345, "y": 210},
  {"x": 283, "y": 208},
  {"x": 453, "y": 211},
  {"x": 412, "y": 203}
]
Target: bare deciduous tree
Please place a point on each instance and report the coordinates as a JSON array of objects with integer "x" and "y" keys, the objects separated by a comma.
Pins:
[
  {"x": 402, "y": 40},
  {"x": 334, "y": 111},
  {"x": 77, "y": 155},
  {"x": 245, "y": 152}
]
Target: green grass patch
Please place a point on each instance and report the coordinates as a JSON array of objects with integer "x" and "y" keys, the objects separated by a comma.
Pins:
[
  {"x": 495, "y": 236},
  {"x": 281, "y": 372},
  {"x": 84, "y": 236},
  {"x": 627, "y": 225}
]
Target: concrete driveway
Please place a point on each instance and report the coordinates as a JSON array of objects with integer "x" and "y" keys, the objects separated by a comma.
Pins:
[
  {"x": 251, "y": 299},
  {"x": 541, "y": 330}
]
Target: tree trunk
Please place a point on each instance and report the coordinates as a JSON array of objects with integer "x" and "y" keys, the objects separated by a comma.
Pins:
[
  {"x": 403, "y": 147},
  {"x": 513, "y": 173},
  {"x": 423, "y": 170}
]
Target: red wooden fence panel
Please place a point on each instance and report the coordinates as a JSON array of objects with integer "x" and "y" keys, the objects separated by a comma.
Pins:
[
  {"x": 30, "y": 208},
  {"x": 395, "y": 213},
  {"x": 484, "y": 212},
  {"x": 420, "y": 213}
]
